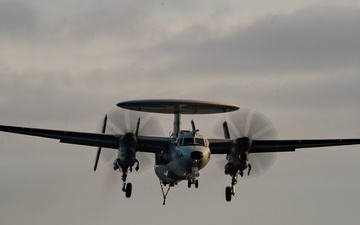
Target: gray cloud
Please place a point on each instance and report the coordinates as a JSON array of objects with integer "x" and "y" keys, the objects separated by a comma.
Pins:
[
  {"x": 114, "y": 20},
  {"x": 306, "y": 58},
  {"x": 38, "y": 25},
  {"x": 307, "y": 40},
  {"x": 299, "y": 69},
  {"x": 17, "y": 19}
]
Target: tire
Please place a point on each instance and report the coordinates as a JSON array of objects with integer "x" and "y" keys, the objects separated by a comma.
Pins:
[
  {"x": 196, "y": 183},
  {"x": 128, "y": 190},
  {"x": 228, "y": 194},
  {"x": 189, "y": 183}
]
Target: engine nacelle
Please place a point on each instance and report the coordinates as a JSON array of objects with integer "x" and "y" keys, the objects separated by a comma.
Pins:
[
  {"x": 243, "y": 144},
  {"x": 127, "y": 150},
  {"x": 129, "y": 140},
  {"x": 238, "y": 158}
]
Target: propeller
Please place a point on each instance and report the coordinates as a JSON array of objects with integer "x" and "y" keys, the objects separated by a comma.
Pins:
[
  {"x": 122, "y": 121},
  {"x": 254, "y": 125}
]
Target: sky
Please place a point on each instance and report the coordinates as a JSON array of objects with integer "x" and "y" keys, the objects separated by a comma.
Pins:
[{"x": 64, "y": 64}]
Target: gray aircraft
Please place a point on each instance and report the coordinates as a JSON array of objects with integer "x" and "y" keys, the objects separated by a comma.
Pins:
[{"x": 180, "y": 156}]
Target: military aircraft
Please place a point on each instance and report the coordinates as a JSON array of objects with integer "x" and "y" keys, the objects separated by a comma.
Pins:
[{"x": 246, "y": 135}]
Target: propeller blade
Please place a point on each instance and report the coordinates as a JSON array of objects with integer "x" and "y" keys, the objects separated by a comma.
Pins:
[
  {"x": 137, "y": 127},
  {"x": 97, "y": 158},
  {"x": 99, "y": 149}
]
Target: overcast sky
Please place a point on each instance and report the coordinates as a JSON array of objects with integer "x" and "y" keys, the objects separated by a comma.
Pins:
[{"x": 64, "y": 64}]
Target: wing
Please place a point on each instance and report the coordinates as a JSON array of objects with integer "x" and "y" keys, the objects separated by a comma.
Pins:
[
  {"x": 152, "y": 144},
  {"x": 292, "y": 145},
  {"x": 223, "y": 146},
  {"x": 144, "y": 144}
]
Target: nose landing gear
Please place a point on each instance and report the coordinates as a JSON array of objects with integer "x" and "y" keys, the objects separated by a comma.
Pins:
[
  {"x": 192, "y": 177},
  {"x": 193, "y": 181}
]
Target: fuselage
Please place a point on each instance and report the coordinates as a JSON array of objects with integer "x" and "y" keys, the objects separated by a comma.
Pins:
[{"x": 186, "y": 155}]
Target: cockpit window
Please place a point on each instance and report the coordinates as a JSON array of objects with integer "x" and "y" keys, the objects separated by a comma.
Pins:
[
  {"x": 192, "y": 141},
  {"x": 200, "y": 141},
  {"x": 188, "y": 141}
]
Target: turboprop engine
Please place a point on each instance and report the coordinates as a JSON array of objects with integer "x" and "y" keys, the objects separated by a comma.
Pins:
[
  {"x": 127, "y": 152},
  {"x": 126, "y": 125},
  {"x": 238, "y": 158},
  {"x": 245, "y": 125}
]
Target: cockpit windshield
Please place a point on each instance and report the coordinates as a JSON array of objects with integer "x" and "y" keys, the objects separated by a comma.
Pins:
[
  {"x": 199, "y": 141},
  {"x": 188, "y": 141},
  {"x": 193, "y": 141}
]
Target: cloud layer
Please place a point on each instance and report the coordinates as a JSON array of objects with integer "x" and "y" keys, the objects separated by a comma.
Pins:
[
  {"x": 305, "y": 57},
  {"x": 64, "y": 64}
]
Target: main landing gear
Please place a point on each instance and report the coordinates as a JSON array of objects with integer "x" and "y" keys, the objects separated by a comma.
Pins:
[
  {"x": 230, "y": 190},
  {"x": 126, "y": 187},
  {"x": 127, "y": 190}
]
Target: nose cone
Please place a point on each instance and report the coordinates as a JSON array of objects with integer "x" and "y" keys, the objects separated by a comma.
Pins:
[{"x": 196, "y": 155}]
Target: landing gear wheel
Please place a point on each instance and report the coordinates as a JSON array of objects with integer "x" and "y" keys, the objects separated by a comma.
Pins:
[
  {"x": 228, "y": 193},
  {"x": 196, "y": 183},
  {"x": 189, "y": 183},
  {"x": 128, "y": 190}
]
